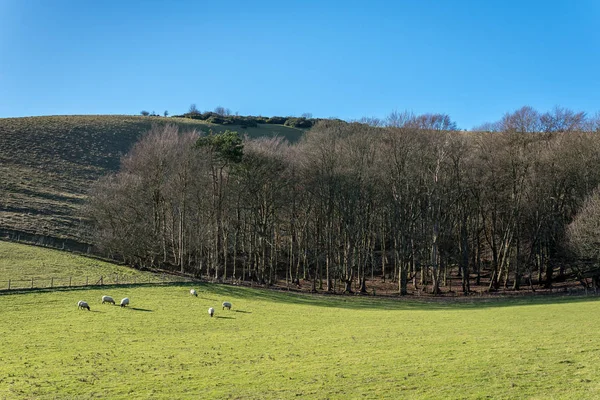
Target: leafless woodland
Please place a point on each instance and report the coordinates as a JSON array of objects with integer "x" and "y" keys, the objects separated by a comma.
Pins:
[{"x": 511, "y": 205}]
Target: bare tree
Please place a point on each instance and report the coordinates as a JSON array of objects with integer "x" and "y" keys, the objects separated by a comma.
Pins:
[
  {"x": 434, "y": 122},
  {"x": 193, "y": 109},
  {"x": 222, "y": 111},
  {"x": 222, "y": 151},
  {"x": 592, "y": 124},
  {"x": 129, "y": 209},
  {"x": 401, "y": 157},
  {"x": 263, "y": 188},
  {"x": 524, "y": 120},
  {"x": 584, "y": 232},
  {"x": 562, "y": 120},
  {"x": 399, "y": 119}
]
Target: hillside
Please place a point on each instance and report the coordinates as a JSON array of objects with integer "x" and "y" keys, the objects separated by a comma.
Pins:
[
  {"x": 48, "y": 163},
  {"x": 23, "y": 266}
]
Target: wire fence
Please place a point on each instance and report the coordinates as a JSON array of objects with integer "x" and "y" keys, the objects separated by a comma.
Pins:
[{"x": 79, "y": 281}]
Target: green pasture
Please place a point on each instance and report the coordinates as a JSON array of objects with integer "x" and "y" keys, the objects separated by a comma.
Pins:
[
  {"x": 278, "y": 345},
  {"x": 20, "y": 263}
]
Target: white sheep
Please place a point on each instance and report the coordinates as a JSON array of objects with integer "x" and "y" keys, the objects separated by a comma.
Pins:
[
  {"x": 108, "y": 299},
  {"x": 125, "y": 302},
  {"x": 193, "y": 292},
  {"x": 82, "y": 304},
  {"x": 226, "y": 305},
  {"x": 211, "y": 311}
]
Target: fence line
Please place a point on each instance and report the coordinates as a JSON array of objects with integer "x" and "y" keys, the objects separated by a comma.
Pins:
[{"x": 79, "y": 281}]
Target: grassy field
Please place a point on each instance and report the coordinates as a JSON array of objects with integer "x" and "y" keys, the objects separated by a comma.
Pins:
[
  {"x": 48, "y": 163},
  {"x": 280, "y": 345},
  {"x": 21, "y": 263}
]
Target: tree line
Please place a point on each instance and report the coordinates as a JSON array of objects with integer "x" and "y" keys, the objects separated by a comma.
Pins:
[
  {"x": 223, "y": 116},
  {"x": 411, "y": 200}
]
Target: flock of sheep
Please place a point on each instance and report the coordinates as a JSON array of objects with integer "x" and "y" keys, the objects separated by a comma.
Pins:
[
  {"x": 107, "y": 299},
  {"x": 211, "y": 311}
]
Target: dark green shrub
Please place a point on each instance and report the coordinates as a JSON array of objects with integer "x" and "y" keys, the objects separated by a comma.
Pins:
[
  {"x": 276, "y": 120},
  {"x": 299, "y": 123},
  {"x": 215, "y": 119},
  {"x": 229, "y": 121},
  {"x": 248, "y": 121}
]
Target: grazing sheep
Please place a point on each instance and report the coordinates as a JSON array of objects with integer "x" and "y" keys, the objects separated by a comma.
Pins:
[
  {"x": 125, "y": 302},
  {"x": 193, "y": 292},
  {"x": 211, "y": 311},
  {"x": 226, "y": 305},
  {"x": 108, "y": 299},
  {"x": 82, "y": 304}
]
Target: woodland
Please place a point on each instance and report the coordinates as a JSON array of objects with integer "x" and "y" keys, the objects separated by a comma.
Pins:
[{"x": 510, "y": 205}]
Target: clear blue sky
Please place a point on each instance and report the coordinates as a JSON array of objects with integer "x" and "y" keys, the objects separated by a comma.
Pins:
[{"x": 474, "y": 60}]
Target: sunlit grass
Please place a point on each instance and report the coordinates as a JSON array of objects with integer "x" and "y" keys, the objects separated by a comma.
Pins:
[
  {"x": 280, "y": 345},
  {"x": 20, "y": 263}
]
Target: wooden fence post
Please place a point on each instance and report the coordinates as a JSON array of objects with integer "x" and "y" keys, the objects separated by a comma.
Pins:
[
  {"x": 32, "y": 283},
  {"x": 86, "y": 280},
  {"x": 101, "y": 280},
  {"x": 70, "y": 281},
  {"x": 9, "y": 284},
  {"x": 52, "y": 282}
]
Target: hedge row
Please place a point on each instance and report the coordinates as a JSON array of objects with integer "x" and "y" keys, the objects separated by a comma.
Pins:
[{"x": 251, "y": 121}]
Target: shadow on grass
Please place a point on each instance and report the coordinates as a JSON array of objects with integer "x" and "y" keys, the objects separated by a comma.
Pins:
[
  {"x": 242, "y": 311},
  {"x": 140, "y": 309},
  {"x": 218, "y": 316},
  {"x": 392, "y": 303},
  {"x": 208, "y": 298},
  {"x": 5, "y": 292},
  {"x": 411, "y": 302}
]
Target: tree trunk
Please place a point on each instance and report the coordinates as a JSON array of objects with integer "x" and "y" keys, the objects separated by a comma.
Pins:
[
  {"x": 403, "y": 279},
  {"x": 435, "y": 267},
  {"x": 517, "y": 283},
  {"x": 464, "y": 257}
]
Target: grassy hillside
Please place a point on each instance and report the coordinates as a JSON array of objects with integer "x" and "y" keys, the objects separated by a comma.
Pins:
[
  {"x": 48, "y": 163},
  {"x": 27, "y": 265},
  {"x": 279, "y": 345}
]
